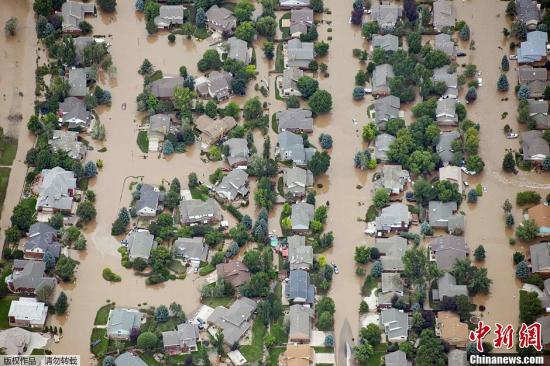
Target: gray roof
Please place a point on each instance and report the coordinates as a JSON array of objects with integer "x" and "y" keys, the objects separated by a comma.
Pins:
[
  {"x": 527, "y": 11},
  {"x": 534, "y": 48},
  {"x": 382, "y": 146},
  {"x": 538, "y": 110},
  {"x": 186, "y": 335},
  {"x": 122, "y": 321},
  {"x": 31, "y": 276},
  {"x": 385, "y": 109},
  {"x": 291, "y": 147},
  {"x": 217, "y": 85},
  {"x": 295, "y": 119},
  {"x": 57, "y": 189},
  {"x": 392, "y": 250},
  {"x": 444, "y": 145},
  {"x": 234, "y": 184},
  {"x": 458, "y": 357},
  {"x": 73, "y": 13},
  {"x": 299, "y": 288},
  {"x": 129, "y": 359},
  {"x": 140, "y": 244},
  {"x": 445, "y": 112},
  {"x": 395, "y": 323},
  {"x": 238, "y": 50},
  {"x": 450, "y": 79},
  {"x": 290, "y": 79},
  {"x": 387, "y": 42},
  {"x": 447, "y": 249},
  {"x": 233, "y": 322},
  {"x": 444, "y": 14},
  {"x": 68, "y": 141},
  {"x": 545, "y": 325},
  {"x": 527, "y": 73},
  {"x": 148, "y": 198},
  {"x": 238, "y": 151},
  {"x": 164, "y": 88},
  {"x": 540, "y": 257},
  {"x": 191, "y": 248},
  {"x": 300, "y": 20},
  {"x": 443, "y": 42},
  {"x": 395, "y": 216},
  {"x": 396, "y": 358},
  {"x": 393, "y": 178},
  {"x": 533, "y": 145},
  {"x": 80, "y": 43},
  {"x": 380, "y": 79},
  {"x": 440, "y": 212},
  {"x": 297, "y": 180},
  {"x": 159, "y": 125},
  {"x": 300, "y": 322},
  {"x": 302, "y": 215},
  {"x": 74, "y": 113},
  {"x": 197, "y": 210},
  {"x": 391, "y": 282},
  {"x": 447, "y": 287},
  {"x": 78, "y": 81},
  {"x": 293, "y": 3},
  {"x": 300, "y": 255},
  {"x": 386, "y": 15},
  {"x": 456, "y": 222},
  {"x": 221, "y": 19},
  {"x": 299, "y": 53},
  {"x": 43, "y": 237},
  {"x": 169, "y": 15}
]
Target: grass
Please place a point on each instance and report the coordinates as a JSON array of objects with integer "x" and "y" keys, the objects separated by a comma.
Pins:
[
  {"x": 38, "y": 352},
  {"x": 218, "y": 301},
  {"x": 279, "y": 333},
  {"x": 323, "y": 349},
  {"x": 143, "y": 141},
  {"x": 369, "y": 285},
  {"x": 8, "y": 149},
  {"x": 379, "y": 352},
  {"x": 4, "y": 178},
  {"x": 273, "y": 356},
  {"x": 274, "y": 121},
  {"x": 110, "y": 276},
  {"x": 149, "y": 360},
  {"x": 279, "y": 58},
  {"x": 103, "y": 314},
  {"x": 100, "y": 349},
  {"x": 284, "y": 30},
  {"x": 209, "y": 268},
  {"x": 199, "y": 193},
  {"x": 201, "y": 33},
  {"x": 176, "y": 266},
  {"x": 4, "y": 310},
  {"x": 254, "y": 351}
]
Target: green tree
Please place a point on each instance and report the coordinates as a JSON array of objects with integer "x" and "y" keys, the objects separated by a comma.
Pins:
[
  {"x": 529, "y": 307},
  {"x": 421, "y": 162},
  {"x": 363, "y": 352},
  {"x": 266, "y": 26},
  {"x": 147, "y": 341},
  {"x": 415, "y": 262},
  {"x": 320, "y": 102},
  {"x": 369, "y": 132},
  {"x": 252, "y": 109},
  {"x": 210, "y": 61},
  {"x": 370, "y": 334},
  {"x": 321, "y": 48},
  {"x": 430, "y": 351},
  {"x": 325, "y": 321},
  {"x": 527, "y": 230},
  {"x": 243, "y": 10},
  {"x": 269, "y": 50},
  {"x": 502, "y": 84},
  {"x": 509, "y": 163},
  {"x": 182, "y": 98},
  {"x": 65, "y": 268},
  {"x": 369, "y": 29},
  {"x": 362, "y": 254},
  {"x": 44, "y": 292},
  {"x": 475, "y": 164},
  {"x": 108, "y": 6},
  {"x": 86, "y": 211},
  {"x": 317, "y": 5},
  {"x": 381, "y": 198},
  {"x": 11, "y": 26},
  {"x": 319, "y": 163},
  {"x": 414, "y": 41},
  {"x": 246, "y": 31},
  {"x": 307, "y": 86},
  {"x": 42, "y": 7},
  {"x": 61, "y": 304}
]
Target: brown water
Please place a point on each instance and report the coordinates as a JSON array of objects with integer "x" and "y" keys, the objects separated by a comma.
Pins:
[{"x": 123, "y": 160}]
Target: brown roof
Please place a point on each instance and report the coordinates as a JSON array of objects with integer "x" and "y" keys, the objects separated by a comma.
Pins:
[
  {"x": 234, "y": 272},
  {"x": 214, "y": 129},
  {"x": 297, "y": 355},
  {"x": 540, "y": 214},
  {"x": 452, "y": 330}
]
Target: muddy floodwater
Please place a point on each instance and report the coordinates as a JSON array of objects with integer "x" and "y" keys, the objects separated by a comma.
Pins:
[{"x": 123, "y": 161}]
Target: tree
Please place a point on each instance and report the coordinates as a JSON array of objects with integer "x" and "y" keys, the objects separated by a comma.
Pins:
[
  {"x": 369, "y": 29},
  {"x": 370, "y": 334},
  {"x": 511, "y": 8},
  {"x": 527, "y": 197},
  {"x": 414, "y": 41},
  {"x": 42, "y": 7},
  {"x": 381, "y": 198},
  {"x": 504, "y": 63},
  {"x": 86, "y": 211},
  {"x": 44, "y": 292},
  {"x": 317, "y": 5},
  {"x": 266, "y": 26},
  {"x": 321, "y": 48},
  {"x": 471, "y": 95},
  {"x": 363, "y": 352},
  {"x": 362, "y": 254},
  {"x": 426, "y": 229},
  {"x": 519, "y": 29},
  {"x": 246, "y": 31},
  {"x": 475, "y": 164},
  {"x": 307, "y": 86},
  {"x": 358, "y": 93},
  {"x": 210, "y": 61},
  {"x": 258, "y": 286},
  {"x": 472, "y": 196},
  {"x": 146, "y": 68},
  {"x": 85, "y": 27},
  {"x": 162, "y": 314},
  {"x": 369, "y": 132},
  {"x": 108, "y": 6},
  {"x": 61, "y": 304},
  {"x": 360, "y": 78},
  {"x": 200, "y": 18},
  {"x": 502, "y": 84},
  {"x": 252, "y": 109},
  {"x": 90, "y": 169},
  {"x": 147, "y": 341},
  {"x": 269, "y": 50},
  {"x": 325, "y": 140},
  {"x": 319, "y": 163},
  {"x": 523, "y": 92},
  {"x": 409, "y": 7},
  {"x": 522, "y": 270},
  {"x": 527, "y": 230},
  {"x": 376, "y": 269},
  {"x": 421, "y": 162},
  {"x": 529, "y": 307},
  {"x": 325, "y": 321},
  {"x": 23, "y": 214},
  {"x": 11, "y": 26},
  {"x": 509, "y": 163},
  {"x": 479, "y": 253},
  {"x": 430, "y": 351},
  {"x": 65, "y": 267},
  {"x": 518, "y": 257},
  {"x": 243, "y": 10},
  {"x": 415, "y": 261},
  {"x": 464, "y": 33}
]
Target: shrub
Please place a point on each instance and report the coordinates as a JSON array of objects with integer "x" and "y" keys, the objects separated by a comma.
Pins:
[
  {"x": 358, "y": 93},
  {"x": 518, "y": 257},
  {"x": 325, "y": 140},
  {"x": 527, "y": 197},
  {"x": 502, "y": 84},
  {"x": 11, "y": 26},
  {"x": 147, "y": 341},
  {"x": 110, "y": 276},
  {"x": 472, "y": 196},
  {"x": 479, "y": 253},
  {"x": 171, "y": 38},
  {"x": 522, "y": 270},
  {"x": 471, "y": 95}
]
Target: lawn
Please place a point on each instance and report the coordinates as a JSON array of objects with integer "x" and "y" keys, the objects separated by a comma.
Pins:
[
  {"x": 284, "y": 30},
  {"x": 8, "y": 149},
  {"x": 279, "y": 333},
  {"x": 4, "y": 178},
  {"x": 4, "y": 310},
  {"x": 254, "y": 351},
  {"x": 218, "y": 301},
  {"x": 102, "y": 315},
  {"x": 176, "y": 266},
  {"x": 323, "y": 349},
  {"x": 199, "y": 193},
  {"x": 279, "y": 58},
  {"x": 149, "y": 360},
  {"x": 379, "y": 352},
  {"x": 143, "y": 141},
  {"x": 273, "y": 356},
  {"x": 209, "y": 268},
  {"x": 100, "y": 349},
  {"x": 369, "y": 284}
]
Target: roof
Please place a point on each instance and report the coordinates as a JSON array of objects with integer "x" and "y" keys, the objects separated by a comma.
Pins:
[
  {"x": 164, "y": 88},
  {"x": 298, "y": 355},
  {"x": 447, "y": 287},
  {"x": 148, "y": 198},
  {"x": 140, "y": 244},
  {"x": 74, "y": 113},
  {"x": 238, "y": 50},
  {"x": 450, "y": 79},
  {"x": 300, "y": 255},
  {"x": 186, "y": 334},
  {"x": 457, "y": 357},
  {"x": 387, "y": 42},
  {"x": 214, "y": 129},
  {"x": 300, "y": 19},
  {"x": 234, "y": 272},
  {"x": 527, "y": 11},
  {"x": 447, "y": 249},
  {"x": 392, "y": 250},
  {"x": 159, "y": 125},
  {"x": 440, "y": 212},
  {"x": 56, "y": 188},
  {"x": 453, "y": 174},
  {"x": 396, "y": 358},
  {"x": 73, "y": 13},
  {"x": 391, "y": 282},
  {"x": 395, "y": 323},
  {"x": 533, "y": 145},
  {"x": 395, "y": 216},
  {"x": 451, "y": 329},
  {"x": 386, "y": 15},
  {"x": 68, "y": 141},
  {"x": 385, "y": 109},
  {"x": 300, "y": 322},
  {"x": 541, "y": 215},
  {"x": 540, "y": 257},
  {"x": 299, "y": 288},
  {"x": 445, "y": 112},
  {"x": 299, "y": 53},
  {"x": 444, "y": 145},
  {"x": 232, "y": 185},
  {"x": 538, "y": 110},
  {"x": 293, "y": 3},
  {"x": 122, "y": 320},
  {"x": 295, "y": 119},
  {"x": 168, "y": 15},
  {"x": 545, "y": 325},
  {"x": 43, "y": 237},
  {"x": 382, "y": 146},
  {"x": 197, "y": 210},
  {"x": 527, "y": 73},
  {"x": 443, "y": 42},
  {"x": 380, "y": 78},
  {"x": 30, "y": 277},
  {"x": 534, "y": 48},
  {"x": 444, "y": 14},
  {"x": 291, "y": 147},
  {"x": 191, "y": 248},
  {"x": 80, "y": 43},
  {"x": 221, "y": 19},
  {"x": 19, "y": 341},
  {"x": 290, "y": 78},
  {"x": 393, "y": 178},
  {"x": 302, "y": 215},
  {"x": 78, "y": 81},
  {"x": 238, "y": 151},
  {"x": 297, "y": 180},
  {"x": 28, "y": 309},
  {"x": 233, "y": 322},
  {"x": 129, "y": 359}
]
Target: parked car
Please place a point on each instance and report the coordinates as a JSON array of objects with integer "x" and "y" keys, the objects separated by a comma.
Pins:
[
  {"x": 335, "y": 268},
  {"x": 409, "y": 196},
  {"x": 466, "y": 184},
  {"x": 512, "y": 135},
  {"x": 469, "y": 172},
  {"x": 460, "y": 54},
  {"x": 513, "y": 57},
  {"x": 479, "y": 81}
]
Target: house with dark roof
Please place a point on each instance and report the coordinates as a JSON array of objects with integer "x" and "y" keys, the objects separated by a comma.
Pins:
[
  {"x": 301, "y": 216},
  {"x": 80, "y": 44},
  {"x": 27, "y": 276},
  {"x": 41, "y": 239},
  {"x": 392, "y": 286},
  {"x": 183, "y": 340},
  {"x": 164, "y": 88},
  {"x": 444, "y": 147},
  {"x": 235, "y": 321},
  {"x": 140, "y": 244},
  {"x": 444, "y": 43},
  {"x": 221, "y": 20},
  {"x": 528, "y": 13},
  {"x": 74, "y": 13},
  {"x": 74, "y": 114},
  {"x": 387, "y": 42},
  {"x": 439, "y": 213},
  {"x": 289, "y": 84},
  {"x": 148, "y": 203},
  {"x": 235, "y": 272},
  {"x": 391, "y": 252},
  {"x": 129, "y": 359},
  {"x": 169, "y": 15},
  {"x": 300, "y": 21},
  {"x": 386, "y": 15},
  {"x": 457, "y": 357},
  {"x": 199, "y": 212},
  {"x": 534, "y": 147},
  {"x": 442, "y": 74},
  {"x": 238, "y": 50},
  {"x": 68, "y": 141},
  {"x": 217, "y": 85},
  {"x": 159, "y": 126},
  {"x": 121, "y": 321},
  {"x": 212, "y": 130},
  {"x": 238, "y": 152},
  {"x": 540, "y": 259},
  {"x": 191, "y": 249},
  {"x": 393, "y": 178},
  {"x": 234, "y": 185},
  {"x": 395, "y": 323},
  {"x": 536, "y": 79},
  {"x": 386, "y": 108},
  {"x": 538, "y": 111},
  {"x": 382, "y": 145},
  {"x": 300, "y": 320},
  {"x": 299, "y": 54},
  {"x": 56, "y": 190},
  {"x": 447, "y": 287},
  {"x": 297, "y": 181},
  {"x": 444, "y": 14},
  {"x": 446, "y": 250},
  {"x": 299, "y": 289},
  {"x": 393, "y": 218},
  {"x": 396, "y": 358},
  {"x": 533, "y": 50},
  {"x": 445, "y": 112},
  {"x": 79, "y": 79},
  {"x": 300, "y": 255},
  {"x": 295, "y": 120},
  {"x": 381, "y": 78},
  {"x": 290, "y": 146}
]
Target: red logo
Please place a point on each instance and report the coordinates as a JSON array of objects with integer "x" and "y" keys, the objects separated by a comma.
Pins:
[
  {"x": 530, "y": 335},
  {"x": 505, "y": 336},
  {"x": 478, "y": 334}
]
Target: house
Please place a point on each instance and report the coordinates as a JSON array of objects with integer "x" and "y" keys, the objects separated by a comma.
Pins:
[
  {"x": 300, "y": 255},
  {"x": 445, "y": 112},
  {"x": 291, "y": 147},
  {"x": 68, "y": 141},
  {"x": 289, "y": 86},
  {"x": 121, "y": 322},
  {"x": 444, "y": 146},
  {"x": 528, "y": 13},
  {"x": 42, "y": 239},
  {"x": 300, "y": 21},
  {"x": 74, "y": 114},
  {"x": 27, "y": 276},
  {"x": 238, "y": 152},
  {"x": 300, "y": 323},
  {"x": 299, "y": 289},
  {"x": 394, "y": 218},
  {"x": 534, "y": 147},
  {"x": 212, "y": 130},
  {"x": 140, "y": 244},
  {"x": 199, "y": 212},
  {"x": 78, "y": 81},
  {"x": 297, "y": 355},
  {"x": 73, "y": 13},
  {"x": 233, "y": 185},
  {"x": 191, "y": 249},
  {"x": 538, "y": 111},
  {"x": 457, "y": 357},
  {"x": 234, "y": 272},
  {"x": 238, "y": 50},
  {"x": 80, "y": 44},
  {"x": 19, "y": 341},
  {"x": 533, "y": 50},
  {"x": 396, "y": 358},
  {"x": 544, "y": 321},
  {"x": 541, "y": 215},
  {"x": 295, "y": 120},
  {"x": 440, "y": 212},
  {"x": 386, "y": 16},
  {"x": 442, "y": 74},
  {"x": 27, "y": 312},
  {"x": 169, "y": 15},
  {"x": 159, "y": 125},
  {"x": 129, "y": 359},
  {"x": 299, "y": 54},
  {"x": 387, "y": 42},
  {"x": 293, "y": 4},
  {"x": 540, "y": 258},
  {"x": 453, "y": 174},
  {"x": 536, "y": 79},
  {"x": 544, "y": 295},
  {"x": 297, "y": 181},
  {"x": 217, "y": 85},
  {"x": 182, "y": 340},
  {"x": 148, "y": 203},
  {"x": 393, "y": 178},
  {"x": 391, "y": 252},
  {"x": 395, "y": 323},
  {"x": 301, "y": 216},
  {"x": 447, "y": 287},
  {"x": 391, "y": 286},
  {"x": 164, "y": 88},
  {"x": 382, "y": 145},
  {"x": 444, "y": 43},
  {"x": 446, "y": 250},
  {"x": 385, "y": 109},
  {"x": 56, "y": 190},
  {"x": 449, "y": 327},
  {"x": 221, "y": 20},
  {"x": 444, "y": 14},
  {"x": 381, "y": 78},
  {"x": 235, "y": 321}
]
